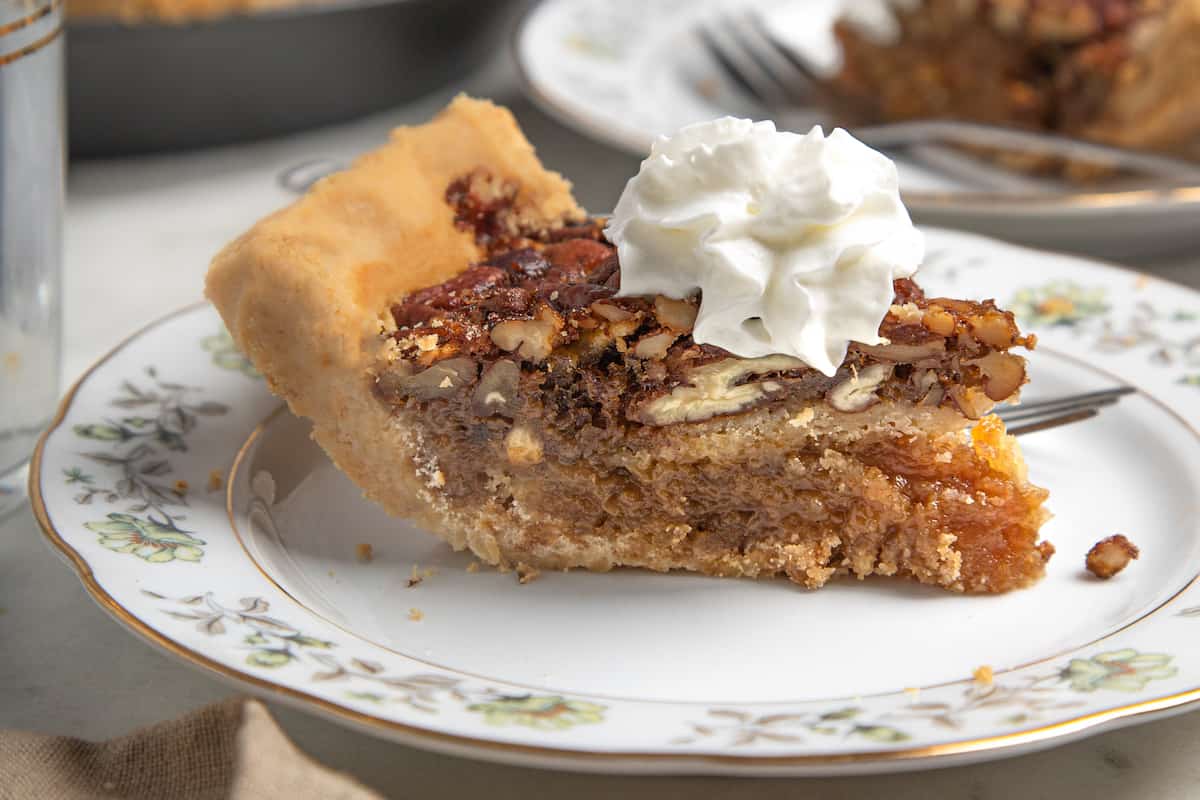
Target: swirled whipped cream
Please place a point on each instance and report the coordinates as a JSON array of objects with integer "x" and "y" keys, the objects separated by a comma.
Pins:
[{"x": 792, "y": 239}]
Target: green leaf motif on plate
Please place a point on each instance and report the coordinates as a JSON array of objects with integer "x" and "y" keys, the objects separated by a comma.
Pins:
[
  {"x": 880, "y": 733},
  {"x": 156, "y": 541},
  {"x": 226, "y": 355},
  {"x": 1058, "y": 303},
  {"x": 104, "y": 433},
  {"x": 135, "y": 456},
  {"x": 1120, "y": 670},
  {"x": 308, "y": 641},
  {"x": 850, "y": 712},
  {"x": 76, "y": 475},
  {"x": 370, "y": 697},
  {"x": 1166, "y": 337},
  {"x": 542, "y": 712},
  {"x": 744, "y": 728},
  {"x": 269, "y": 658}
]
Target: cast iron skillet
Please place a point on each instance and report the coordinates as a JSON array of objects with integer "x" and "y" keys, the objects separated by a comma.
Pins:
[{"x": 146, "y": 87}]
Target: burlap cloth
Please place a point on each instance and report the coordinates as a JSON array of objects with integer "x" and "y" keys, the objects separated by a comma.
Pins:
[{"x": 230, "y": 750}]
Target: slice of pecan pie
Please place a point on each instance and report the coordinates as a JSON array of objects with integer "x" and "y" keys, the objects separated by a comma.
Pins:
[
  {"x": 1116, "y": 71},
  {"x": 446, "y": 315}
]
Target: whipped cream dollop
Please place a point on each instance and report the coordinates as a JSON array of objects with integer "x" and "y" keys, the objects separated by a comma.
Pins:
[{"x": 792, "y": 239}]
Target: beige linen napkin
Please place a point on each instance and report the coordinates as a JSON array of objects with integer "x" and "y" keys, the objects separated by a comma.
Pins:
[{"x": 230, "y": 750}]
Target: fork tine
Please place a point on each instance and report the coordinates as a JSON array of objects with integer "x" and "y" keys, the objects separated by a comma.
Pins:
[
  {"x": 740, "y": 65},
  {"x": 1065, "y": 406},
  {"x": 1061, "y": 411},
  {"x": 1053, "y": 422},
  {"x": 1096, "y": 399},
  {"x": 795, "y": 82}
]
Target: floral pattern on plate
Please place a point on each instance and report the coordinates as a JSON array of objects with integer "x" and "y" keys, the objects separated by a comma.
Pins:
[
  {"x": 152, "y": 419},
  {"x": 274, "y": 644},
  {"x": 1171, "y": 333}
]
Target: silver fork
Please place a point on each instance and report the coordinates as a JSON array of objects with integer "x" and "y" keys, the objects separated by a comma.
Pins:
[
  {"x": 1046, "y": 414},
  {"x": 779, "y": 78}
]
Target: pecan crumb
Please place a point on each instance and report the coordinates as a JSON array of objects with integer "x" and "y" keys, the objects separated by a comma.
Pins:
[
  {"x": 181, "y": 487},
  {"x": 983, "y": 675},
  {"x": 802, "y": 419},
  {"x": 215, "y": 480},
  {"x": 365, "y": 552},
  {"x": 414, "y": 578},
  {"x": 416, "y": 614},
  {"x": 523, "y": 447},
  {"x": 526, "y": 573},
  {"x": 1109, "y": 556}
]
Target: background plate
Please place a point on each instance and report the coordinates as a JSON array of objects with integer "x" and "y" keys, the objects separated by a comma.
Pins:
[{"x": 626, "y": 71}]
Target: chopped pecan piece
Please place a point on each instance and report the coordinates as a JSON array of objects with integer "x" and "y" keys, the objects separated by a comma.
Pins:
[
  {"x": 497, "y": 390},
  {"x": 859, "y": 391},
  {"x": 1109, "y": 556},
  {"x": 723, "y": 387}
]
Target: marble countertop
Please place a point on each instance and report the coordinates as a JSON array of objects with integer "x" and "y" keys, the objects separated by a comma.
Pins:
[{"x": 139, "y": 236}]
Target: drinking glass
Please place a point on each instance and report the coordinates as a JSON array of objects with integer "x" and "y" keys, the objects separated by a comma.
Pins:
[{"x": 32, "y": 165}]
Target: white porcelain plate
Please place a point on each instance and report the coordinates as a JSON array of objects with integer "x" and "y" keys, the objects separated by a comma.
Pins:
[
  {"x": 626, "y": 71},
  {"x": 205, "y": 520}
]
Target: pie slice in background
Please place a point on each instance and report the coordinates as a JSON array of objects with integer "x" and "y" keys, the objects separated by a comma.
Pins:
[{"x": 1120, "y": 72}]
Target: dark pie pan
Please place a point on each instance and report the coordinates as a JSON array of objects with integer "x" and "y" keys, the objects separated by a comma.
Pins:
[{"x": 135, "y": 88}]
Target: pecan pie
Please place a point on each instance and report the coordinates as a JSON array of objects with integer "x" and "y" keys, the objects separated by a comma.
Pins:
[
  {"x": 447, "y": 317},
  {"x": 1115, "y": 71}
]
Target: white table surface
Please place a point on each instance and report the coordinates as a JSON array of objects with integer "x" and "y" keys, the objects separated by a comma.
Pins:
[{"x": 139, "y": 236}]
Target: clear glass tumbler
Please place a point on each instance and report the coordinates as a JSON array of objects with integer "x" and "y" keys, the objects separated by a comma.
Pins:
[{"x": 32, "y": 166}]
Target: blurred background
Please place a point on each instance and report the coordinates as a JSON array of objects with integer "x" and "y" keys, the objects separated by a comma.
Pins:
[
  {"x": 187, "y": 120},
  {"x": 1084, "y": 133}
]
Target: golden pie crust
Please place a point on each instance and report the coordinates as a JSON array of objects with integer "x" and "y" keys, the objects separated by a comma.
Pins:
[{"x": 304, "y": 291}]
